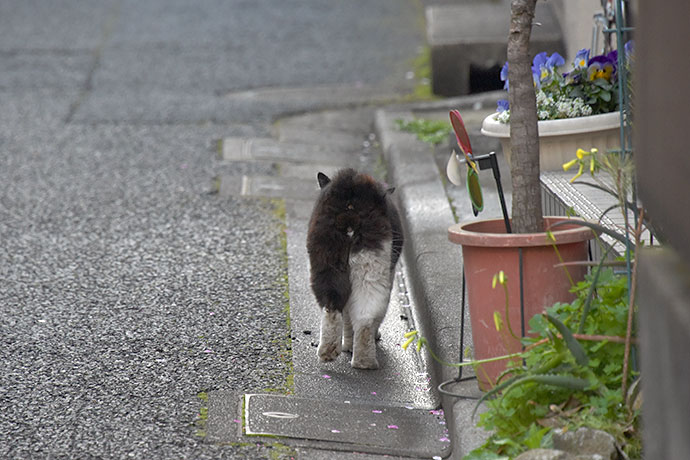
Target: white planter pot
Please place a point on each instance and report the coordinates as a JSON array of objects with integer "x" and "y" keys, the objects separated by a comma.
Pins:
[{"x": 560, "y": 139}]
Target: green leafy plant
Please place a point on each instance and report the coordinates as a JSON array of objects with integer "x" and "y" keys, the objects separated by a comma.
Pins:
[
  {"x": 566, "y": 380},
  {"x": 563, "y": 379},
  {"x": 431, "y": 131},
  {"x": 575, "y": 370}
]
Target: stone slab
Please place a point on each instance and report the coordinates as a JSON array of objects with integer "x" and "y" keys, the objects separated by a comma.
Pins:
[
  {"x": 247, "y": 149},
  {"x": 320, "y": 454},
  {"x": 355, "y": 122},
  {"x": 368, "y": 427},
  {"x": 267, "y": 186},
  {"x": 305, "y": 170},
  {"x": 461, "y": 35}
]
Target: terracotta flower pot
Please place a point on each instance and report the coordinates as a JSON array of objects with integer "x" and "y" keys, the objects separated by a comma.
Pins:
[
  {"x": 560, "y": 139},
  {"x": 488, "y": 249}
]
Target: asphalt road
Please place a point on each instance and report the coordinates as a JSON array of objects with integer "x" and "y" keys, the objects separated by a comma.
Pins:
[{"x": 127, "y": 289}]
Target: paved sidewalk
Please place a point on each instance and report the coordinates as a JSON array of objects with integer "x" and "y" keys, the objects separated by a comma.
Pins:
[
  {"x": 426, "y": 295},
  {"x": 393, "y": 410}
]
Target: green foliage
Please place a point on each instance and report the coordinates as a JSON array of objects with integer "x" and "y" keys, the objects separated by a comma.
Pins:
[
  {"x": 421, "y": 66},
  {"x": 431, "y": 131},
  {"x": 202, "y": 417},
  {"x": 563, "y": 382}
]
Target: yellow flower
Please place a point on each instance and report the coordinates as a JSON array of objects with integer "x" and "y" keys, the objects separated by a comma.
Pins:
[
  {"x": 500, "y": 277},
  {"x": 407, "y": 344},
  {"x": 497, "y": 321},
  {"x": 582, "y": 153},
  {"x": 570, "y": 164}
]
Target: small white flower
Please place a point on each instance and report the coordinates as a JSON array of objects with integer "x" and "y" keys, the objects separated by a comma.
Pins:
[{"x": 503, "y": 117}]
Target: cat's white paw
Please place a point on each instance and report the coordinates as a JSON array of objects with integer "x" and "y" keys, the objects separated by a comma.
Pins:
[
  {"x": 328, "y": 351},
  {"x": 364, "y": 363},
  {"x": 364, "y": 353},
  {"x": 331, "y": 335}
]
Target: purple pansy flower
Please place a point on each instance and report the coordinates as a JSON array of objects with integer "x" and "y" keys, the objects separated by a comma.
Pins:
[
  {"x": 537, "y": 64},
  {"x": 581, "y": 58},
  {"x": 555, "y": 60},
  {"x": 602, "y": 66},
  {"x": 629, "y": 49},
  {"x": 504, "y": 75}
]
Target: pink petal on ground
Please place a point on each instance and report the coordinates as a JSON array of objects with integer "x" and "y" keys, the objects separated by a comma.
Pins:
[
  {"x": 326, "y": 376},
  {"x": 237, "y": 421},
  {"x": 444, "y": 439},
  {"x": 393, "y": 427},
  {"x": 373, "y": 392},
  {"x": 376, "y": 411},
  {"x": 335, "y": 431}
]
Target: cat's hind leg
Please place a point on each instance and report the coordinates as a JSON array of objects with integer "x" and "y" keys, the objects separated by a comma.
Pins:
[
  {"x": 347, "y": 331},
  {"x": 366, "y": 313},
  {"x": 364, "y": 347},
  {"x": 331, "y": 335}
]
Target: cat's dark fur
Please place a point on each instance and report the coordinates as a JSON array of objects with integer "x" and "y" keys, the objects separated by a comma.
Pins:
[{"x": 354, "y": 241}]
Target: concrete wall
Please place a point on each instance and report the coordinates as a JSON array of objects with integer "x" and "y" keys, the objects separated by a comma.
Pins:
[
  {"x": 661, "y": 143},
  {"x": 575, "y": 18}
]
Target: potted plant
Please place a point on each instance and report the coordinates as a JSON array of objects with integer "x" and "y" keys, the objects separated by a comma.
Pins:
[
  {"x": 577, "y": 109},
  {"x": 529, "y": 253}
]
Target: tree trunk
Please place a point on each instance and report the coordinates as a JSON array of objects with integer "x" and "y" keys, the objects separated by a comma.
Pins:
[{"x": 524, "y": 138}]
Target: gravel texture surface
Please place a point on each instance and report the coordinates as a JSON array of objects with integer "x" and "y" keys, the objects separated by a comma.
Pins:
[{"x": 127, "y": 288}]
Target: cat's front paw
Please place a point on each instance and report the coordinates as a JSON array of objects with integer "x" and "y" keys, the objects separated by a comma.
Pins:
[
  {"x": 364, "y": 363},
  {"x": 328, "y": 351}
]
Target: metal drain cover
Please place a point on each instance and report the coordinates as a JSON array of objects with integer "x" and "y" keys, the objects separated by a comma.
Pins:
[{"x": 387, "y": 429}]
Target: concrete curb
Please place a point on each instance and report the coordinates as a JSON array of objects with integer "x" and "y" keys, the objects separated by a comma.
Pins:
[{"x": 433, "y": 263}]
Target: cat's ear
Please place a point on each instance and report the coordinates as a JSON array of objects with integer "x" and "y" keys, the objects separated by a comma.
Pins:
[
  {"x": 390, "y": 190},
  {"x": 323, "y": 179}
]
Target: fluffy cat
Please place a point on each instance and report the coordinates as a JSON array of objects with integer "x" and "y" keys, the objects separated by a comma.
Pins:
[{"x": 354, "y": 241}]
